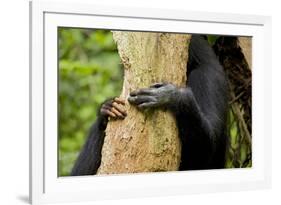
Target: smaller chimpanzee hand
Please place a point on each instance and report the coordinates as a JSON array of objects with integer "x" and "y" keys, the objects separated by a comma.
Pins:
[
  {"x": 113, "y": 108},
  {"x": 156, "y": 96}
]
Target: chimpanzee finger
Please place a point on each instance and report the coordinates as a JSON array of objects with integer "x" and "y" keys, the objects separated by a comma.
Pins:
[
  {"x": 119, "y": 100},
  {"x": 108, "y": 112},
  {"x": 157, "y": 85},
  {"x": 144, "y": 91},
  {"x": 107, "y": 103},
  {"x": 106, "y": 106},
  {"x": 147, "y": 105},
  {"x": 120, "y": 108},
  {"x": 141, "y": 99},
  {"x": 117, "y": 113}
]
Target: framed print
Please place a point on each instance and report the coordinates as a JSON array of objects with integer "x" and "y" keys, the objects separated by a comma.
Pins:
[{"x": 130, "y": 102}]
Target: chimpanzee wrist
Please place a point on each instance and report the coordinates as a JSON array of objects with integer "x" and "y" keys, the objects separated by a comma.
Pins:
[{"x": 102, "y": 122}]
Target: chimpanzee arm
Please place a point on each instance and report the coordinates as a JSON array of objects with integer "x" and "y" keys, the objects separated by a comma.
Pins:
[
  {"x": 203, "y": 108},
  {"x": 89, "y": 158},
  {"x": 201, "y": 122}
]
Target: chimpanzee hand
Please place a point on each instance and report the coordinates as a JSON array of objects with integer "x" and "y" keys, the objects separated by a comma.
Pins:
[
  {"x": 113, "y": 108},
  {"x": 156, "y": 96}
]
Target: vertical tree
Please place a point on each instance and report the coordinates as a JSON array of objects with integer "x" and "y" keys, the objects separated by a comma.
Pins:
[
  {"x": 246, "y": 47},
  {"x": 146, "y": 141}
]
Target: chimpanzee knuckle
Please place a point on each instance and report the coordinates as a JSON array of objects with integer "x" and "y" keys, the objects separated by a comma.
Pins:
[
  {"x": 154, "y": 99},
  {"x": 133, "y": 93},
  {"x": 149, "y": 98},
  {"x": 154, "y": 91},
  {"x": 106, "y": 112},
  {"x": 120, "y": 108},
  {"x": 135, "y": 99},
  {"x": 111, "y": 114},
  {"x": 147, "y": 105},
  {"x": 140, "y": 99},
  {"x": 102, "y": 111},
  {"x": 147, "y": 91},
  {"x": 114, "y": 104},
  {"x": 106, "y": 107},
  {"x": 141, "y": 92},
  {"x": 156, "y": 85},
  {"x": 170, "y": 86},
  {"x": 131, "y": 99},
  {"x": 108, "y": 103},
  {"x": 143, "y": 106},
  {"x": 116, "y": 112},
  {"x": 120, "y": 101}
]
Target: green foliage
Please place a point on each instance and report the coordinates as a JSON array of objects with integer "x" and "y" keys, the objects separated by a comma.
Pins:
[
  {"x": 239, "y": 153},
  {"x": 89, "y": 72},
  {"x": 212, "y": 39}
]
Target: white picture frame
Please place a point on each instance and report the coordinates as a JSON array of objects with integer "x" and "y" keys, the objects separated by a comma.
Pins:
[{"x": 46, "y": 186}]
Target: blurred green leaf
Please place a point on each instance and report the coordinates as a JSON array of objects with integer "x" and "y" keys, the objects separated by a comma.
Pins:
[
  {"x": 212, "y": 39},
  {"x": 89, "y": 72}
]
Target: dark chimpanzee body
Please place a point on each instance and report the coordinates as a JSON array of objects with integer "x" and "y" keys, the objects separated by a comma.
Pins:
[{"x": 200, "y": 110}]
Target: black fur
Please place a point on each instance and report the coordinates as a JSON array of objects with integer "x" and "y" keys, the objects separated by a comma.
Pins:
[
  {"x": 200, "y": 110},
  {"x": 89, "y": 159}
]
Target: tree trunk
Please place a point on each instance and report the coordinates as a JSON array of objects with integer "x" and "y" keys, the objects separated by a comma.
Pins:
[
  {"x": 146, "y": 141},
  {"x": 246, "y": 46}
]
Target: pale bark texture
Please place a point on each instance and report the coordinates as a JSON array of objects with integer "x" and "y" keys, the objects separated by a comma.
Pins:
[
  {"x": 246, "y": 46},
  {"x": 146, "y": 141}
]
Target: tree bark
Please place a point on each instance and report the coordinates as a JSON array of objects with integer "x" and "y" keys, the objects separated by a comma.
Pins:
[
  {"x": 146, "y": 141},
  {"x": 246, "y": 46}
]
